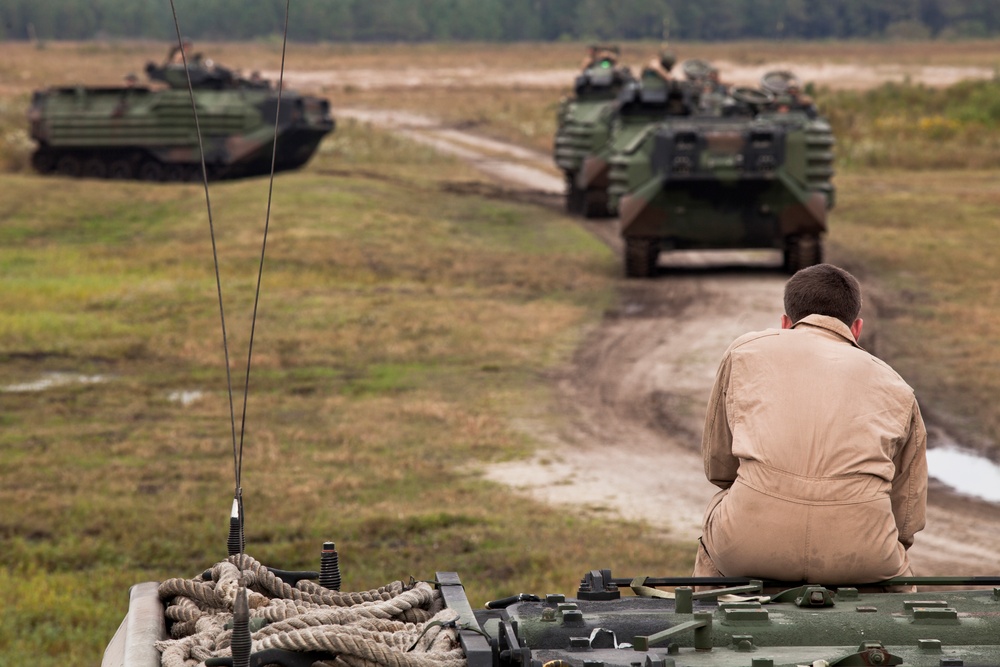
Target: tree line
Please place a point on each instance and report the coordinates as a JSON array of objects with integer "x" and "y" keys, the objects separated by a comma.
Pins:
[{"x": 501, "y": 20}]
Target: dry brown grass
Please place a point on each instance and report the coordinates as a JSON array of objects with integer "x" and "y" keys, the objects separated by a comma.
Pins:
[{"x": 930, "y": 242}]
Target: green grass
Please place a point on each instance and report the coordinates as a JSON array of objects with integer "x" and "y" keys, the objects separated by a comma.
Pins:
[
  {"x": 908, "y": 126},
  {"x": 400, "y": 326}
]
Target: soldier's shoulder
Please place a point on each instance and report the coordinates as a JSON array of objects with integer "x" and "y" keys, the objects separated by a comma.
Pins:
[
  {"x": 753, "y": 337},
  {"x": 884, "y": 366}
]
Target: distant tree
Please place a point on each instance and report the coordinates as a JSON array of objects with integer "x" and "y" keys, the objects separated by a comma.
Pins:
[
  {"x": 389, "y": 20},
  {"x": 972, "y": 18},
  {"x": 321, "y": 20},
  {"x": 558, "y": 18},
  {"x": 849, "y": 20},
  {"x": 522, "y": 20},
  {"x": 641, "y": 19},
  {"x": 593, "y": 20},
  {"x": 41, "y": 16},
  {"x": 689, "y": 20},
  {"x": 480, "y": 20},
  {"x": 13, "y": 22},
  {"x": 726, "y": 20},
  {"x": 509, "y": 20},
  {"x": 766, "y": 18},
  {"x": 131, "y": 18}
]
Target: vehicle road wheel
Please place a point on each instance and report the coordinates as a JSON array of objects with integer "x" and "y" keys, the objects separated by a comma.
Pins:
[
  {"x": 640, "y": 258},
  {"x": 69, "y": 165},
  {"x": 121, "y": 170},
  {"x": 150, "y": 171},
  {"x": 176, "y": 173},
  {"x": 574, "y": 196},
  {"x": 595, "y": 204},
  {"x": 802, "y": 251},
  {"x": 43, "y": 161},
  {"x": 95, "y": 167}
]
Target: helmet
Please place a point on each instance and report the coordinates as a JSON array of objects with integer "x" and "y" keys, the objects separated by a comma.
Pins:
[
  {"x": 779, "y": 81},
  {"x": 667, "y": 59},
  {"x": 696, "y": 69}
]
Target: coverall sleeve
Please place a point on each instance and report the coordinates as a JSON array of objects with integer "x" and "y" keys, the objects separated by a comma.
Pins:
[
  {"x": 717, "y": 439},
  {"x": 909, "y": 486}
]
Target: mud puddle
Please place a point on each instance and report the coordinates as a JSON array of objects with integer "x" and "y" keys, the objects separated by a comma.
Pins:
[
  {"x": 51, "y": 381},
  {"x": 963, "y": 471}
]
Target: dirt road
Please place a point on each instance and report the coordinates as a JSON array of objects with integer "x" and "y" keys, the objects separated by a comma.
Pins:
[{"x": 621, "y": 439}]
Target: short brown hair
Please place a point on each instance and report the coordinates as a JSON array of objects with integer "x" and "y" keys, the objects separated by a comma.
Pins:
[{"x": 823, "y": 289}]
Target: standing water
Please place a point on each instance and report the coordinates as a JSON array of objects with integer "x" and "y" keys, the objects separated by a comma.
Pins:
[{"x": 965, "y": 472}]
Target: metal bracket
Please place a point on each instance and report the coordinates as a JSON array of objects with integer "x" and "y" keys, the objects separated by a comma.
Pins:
[
  {"x": 511, "y": 651},
  {"x": 597, "y": 585},
  {"x": 275, "y": 656},
  {"x": 477, "y": 648},
  {"x": 815, "y": 596},
  {"x": 869, "y": 653},
  {"x": 702, "y": 626}
]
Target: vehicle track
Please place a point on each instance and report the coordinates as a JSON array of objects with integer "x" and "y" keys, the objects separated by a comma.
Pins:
[{"x": 621, "y": 436}]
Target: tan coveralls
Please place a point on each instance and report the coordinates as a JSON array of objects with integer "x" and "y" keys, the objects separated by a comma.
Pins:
[{"x": 819, "y": 448}]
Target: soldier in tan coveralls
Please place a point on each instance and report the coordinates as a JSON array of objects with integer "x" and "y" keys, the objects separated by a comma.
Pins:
[{"x": 818, "y": 447}]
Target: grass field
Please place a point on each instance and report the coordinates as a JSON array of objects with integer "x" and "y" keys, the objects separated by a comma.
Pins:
[
  {"x": 928, "y": 243},
  {"x": 401, "y": 326}
]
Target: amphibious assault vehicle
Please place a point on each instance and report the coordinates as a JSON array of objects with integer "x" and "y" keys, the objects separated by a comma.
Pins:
[
  {"x": 610, "y": 622},
  {"x": 640, "y": 106},
  {"x": 584, "y": 126},
  {"x": 149, "y": 132},
  {"x": 752, "y": 173},
  {"x": 588, "y": 136}
]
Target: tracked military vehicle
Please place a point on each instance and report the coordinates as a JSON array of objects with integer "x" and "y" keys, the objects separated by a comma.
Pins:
[
  {"x": 584, "y": 125},
  {"x": 149, "y": 132},
  {"x": 753, "y": 174},
  {"x": 641, "y": 103},
  {"x": 300, "y": 618}
]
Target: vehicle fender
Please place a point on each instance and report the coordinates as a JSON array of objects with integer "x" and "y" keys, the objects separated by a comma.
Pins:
[
  {"x": 636, "y": 217},
  {"x": 594, "y": 173}
]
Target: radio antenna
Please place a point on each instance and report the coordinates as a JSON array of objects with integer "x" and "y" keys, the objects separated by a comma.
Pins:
[
  {"x": 263, "y": 248},
  {"x": 236, "y": 540}
]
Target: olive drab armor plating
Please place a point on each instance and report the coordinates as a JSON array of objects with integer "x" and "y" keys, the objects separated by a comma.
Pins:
[
  {"x": 747, "y": 172},
  {"x": 610, "y": 622},
  {"x": 584, "y": 126},
  {"x": 148, "y": 132},
  {"x": 691, "y": 163}
]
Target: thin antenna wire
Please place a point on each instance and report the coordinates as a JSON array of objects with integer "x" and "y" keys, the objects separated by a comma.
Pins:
[
  {"x": 263, "y": 247},
  {"x": 215, "y": 254}
]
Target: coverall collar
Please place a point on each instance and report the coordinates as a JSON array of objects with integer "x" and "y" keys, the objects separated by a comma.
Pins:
[{"x": 831, "y": 324}]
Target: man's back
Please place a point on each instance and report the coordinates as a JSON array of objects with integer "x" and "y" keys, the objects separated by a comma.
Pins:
[
  {"x": 820, "y": 446},
  {"x": 832, "y": 408}
]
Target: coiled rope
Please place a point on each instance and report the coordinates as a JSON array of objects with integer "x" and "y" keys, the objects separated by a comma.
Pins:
[{"x": 393, "y": 626}]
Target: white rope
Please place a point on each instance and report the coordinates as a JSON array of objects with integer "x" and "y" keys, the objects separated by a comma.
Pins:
[{"x": 374, "y": 628}]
